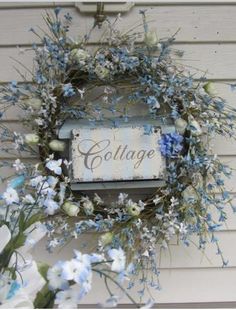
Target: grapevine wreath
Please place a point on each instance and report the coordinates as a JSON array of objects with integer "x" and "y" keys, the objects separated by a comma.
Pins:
[{"x": 132, "y": 67}]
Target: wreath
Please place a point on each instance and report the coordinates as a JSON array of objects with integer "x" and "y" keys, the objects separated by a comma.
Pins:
[{"x": 75, "y": 80}]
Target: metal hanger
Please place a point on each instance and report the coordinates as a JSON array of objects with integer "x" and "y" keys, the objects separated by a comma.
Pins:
[{"x": 100, "y": 16}]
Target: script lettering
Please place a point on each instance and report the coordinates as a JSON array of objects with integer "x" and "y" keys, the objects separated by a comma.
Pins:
[{"x": 95, "y": 153}]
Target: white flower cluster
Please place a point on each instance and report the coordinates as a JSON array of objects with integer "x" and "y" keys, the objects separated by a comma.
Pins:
[{"x": 72, "y": 279}]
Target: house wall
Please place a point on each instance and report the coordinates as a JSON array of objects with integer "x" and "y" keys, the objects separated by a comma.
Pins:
[{"x": 208, "y": 38}]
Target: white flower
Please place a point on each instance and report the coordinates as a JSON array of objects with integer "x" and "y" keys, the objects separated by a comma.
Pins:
[
  {"x": 54, "y": 276},
  {"x": 98, "y": 199},
  {"x": 39, "y": 121},
  {"x": 31, "y": 138},
  {"x": 28, "y": 199},
  {"x": 51, "y": 206},
  {"x": 119, "y": 259},
  {"x": 18, "y": 140},
  {"x": 122, "y": 197},
  {"x": 68, "y": 299},
  {"x": 87, "y": 205},
  {"x": 55, "y": 166},
  {"x": 76, "y": 270},
  {"x": 45, "y": 189},
  {"x": 57, "y": 145},
  {"x": 67, "y": 163},
  {"x": 52, "y": 181},
  {"x": 181, "y": 125},
  {"x": 83, "y": 258},
  {"x": 183, "y": 228},
  {"x": 94, "y": 258},
  {"x": 81, "y": 92},
  {"x": 11, "y": 196},
  {"x": 157, "y": 199},
  {"x": 71, "y": 208},
  {"x": 141, "y": 204},
  {"x": 5, "y": 237},
  {"x": 18, "y": 165},
  {"x": 151, "y": 38},
  {"x": 36, "y": 181},
  {"x": 174, "y": 201},
  {"x": 86, "y": 283}
]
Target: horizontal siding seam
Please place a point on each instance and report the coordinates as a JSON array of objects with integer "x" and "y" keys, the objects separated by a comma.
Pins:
[
  {"x": 34, "y": 5},
  {"x": 177, "y": 42}
]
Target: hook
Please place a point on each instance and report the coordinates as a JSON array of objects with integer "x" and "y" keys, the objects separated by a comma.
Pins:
[{"x": 100, "y": 15}]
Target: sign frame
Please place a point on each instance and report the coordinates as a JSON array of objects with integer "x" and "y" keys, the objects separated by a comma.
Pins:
[{"x": 66, "y": 133}]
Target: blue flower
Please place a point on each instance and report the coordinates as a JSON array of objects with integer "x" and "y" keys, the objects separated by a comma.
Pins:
[
  {"x": 68, "y": 90},
  {"x": 148, "y": 129},
  {"x": 40, "y": 78},
  {"x": 153, "y": 103},
  {"x": 57, "y": 11},
  {"x": 68, "y": 17},
  {"x": 17, "y": 182},
  {"x": 171, "y": 144},
  {"x": 13, "y": 86}
]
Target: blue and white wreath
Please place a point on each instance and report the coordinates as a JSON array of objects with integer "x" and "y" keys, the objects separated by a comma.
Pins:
[{"x": 133, "y": 67}]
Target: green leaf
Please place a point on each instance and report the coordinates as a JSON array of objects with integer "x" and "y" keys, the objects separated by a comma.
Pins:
[
  {"x": 22, "y": 221},
  {"x": 19, "y": 241},
  {"x": 43, "y": 269},
  {"x": 44, "y": 299}
]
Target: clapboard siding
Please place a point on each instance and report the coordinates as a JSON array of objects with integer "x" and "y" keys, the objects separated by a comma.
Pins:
[
  {"x": 192, "y": 27},
  {"x": 184, "y": 285},
  {"x": 207, "y": 36}
]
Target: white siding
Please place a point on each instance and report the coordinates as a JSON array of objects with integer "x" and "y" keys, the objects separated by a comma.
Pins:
[{"x": 208, "y": 37}]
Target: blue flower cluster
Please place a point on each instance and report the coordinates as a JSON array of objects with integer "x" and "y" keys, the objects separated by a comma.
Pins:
[
  {"x": 68, "y": 90},
  {"x": 171, "y": 144}
]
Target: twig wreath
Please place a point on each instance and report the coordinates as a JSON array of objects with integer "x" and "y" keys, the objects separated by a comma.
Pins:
[{"x": 38, "y": 201}]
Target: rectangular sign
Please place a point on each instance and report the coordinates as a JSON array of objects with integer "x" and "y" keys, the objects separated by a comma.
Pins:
[{"x": 115, "y": 154}]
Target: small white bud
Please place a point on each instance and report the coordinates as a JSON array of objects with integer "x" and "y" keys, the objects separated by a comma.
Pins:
[
  {"x": 34, "y": 103},
  {"x": 210, "y": 89},
  {"x": 180, "y": 125},
  {"x": 79, "y": 55},
  {"x": 106, "y": 239},
  {"x": 151, "y": 38},
  {"x": 31, "y": 139},
  {"x": 71, "y": 208},
  {"x": 57, "y": 145}
]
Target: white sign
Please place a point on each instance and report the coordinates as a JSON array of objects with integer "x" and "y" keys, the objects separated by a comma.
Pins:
[{"x": 113, "y": 154}]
